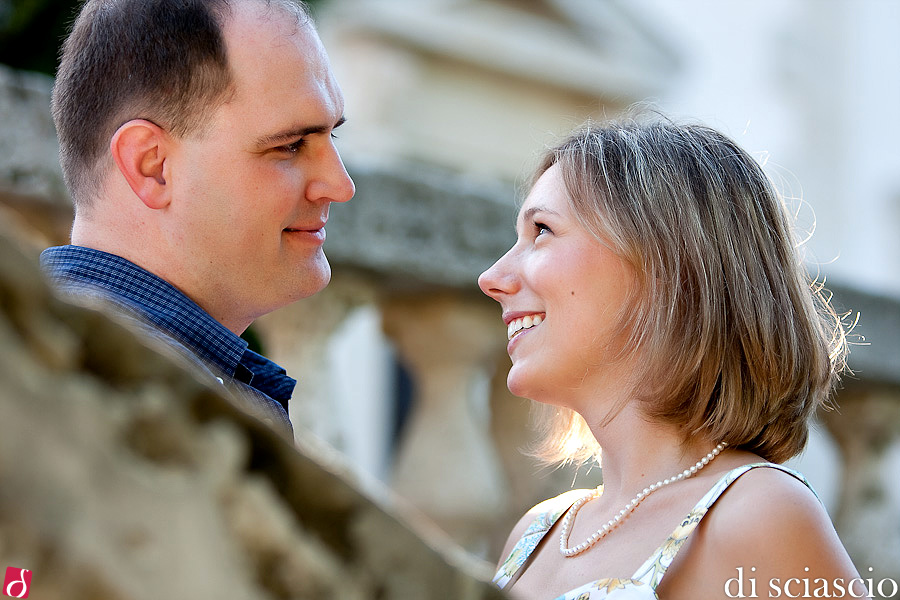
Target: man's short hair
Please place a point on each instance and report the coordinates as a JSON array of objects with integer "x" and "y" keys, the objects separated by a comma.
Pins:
[{"x": 160, "y": 60}]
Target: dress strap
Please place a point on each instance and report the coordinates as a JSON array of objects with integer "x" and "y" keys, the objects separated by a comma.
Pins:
[
  {"x": 533, "y": 535},
  {"x": 654, "y": 569}
]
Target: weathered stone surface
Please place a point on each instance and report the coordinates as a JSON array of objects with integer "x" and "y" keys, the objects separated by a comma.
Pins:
[
  {"x": 875, "y": 347},
  {"x": 451, "y": 378},
  {"x": 125, "y": 477},
  {"x": 63, "y": 458},
  {"x": 31, "y": 181},
  {"x": 866, "y": 427},
  {"x": 423, "y": 227},
  {"x": 29, "y": 159}
]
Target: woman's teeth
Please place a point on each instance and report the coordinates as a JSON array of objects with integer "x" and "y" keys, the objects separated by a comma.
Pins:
[{"x": 518, "y": 325}]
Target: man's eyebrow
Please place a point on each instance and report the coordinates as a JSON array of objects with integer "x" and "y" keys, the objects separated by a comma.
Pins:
[{"x": 294, "y": 134}]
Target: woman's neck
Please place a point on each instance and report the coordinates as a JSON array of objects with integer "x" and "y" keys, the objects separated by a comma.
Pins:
[{"x": 637, "y": 453}]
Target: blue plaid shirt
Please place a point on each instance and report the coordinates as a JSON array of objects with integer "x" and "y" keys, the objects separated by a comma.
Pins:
[{"x": 165, "y": 312}]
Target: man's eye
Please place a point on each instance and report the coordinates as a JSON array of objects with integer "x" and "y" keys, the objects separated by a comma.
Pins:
[{"x": 292, "y": 148}]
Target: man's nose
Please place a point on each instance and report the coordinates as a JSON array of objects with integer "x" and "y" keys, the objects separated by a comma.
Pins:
[{"x": 332, "y": 182}]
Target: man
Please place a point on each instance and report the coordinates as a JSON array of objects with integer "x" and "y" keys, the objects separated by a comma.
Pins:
[{"x": 196, "y": 141}]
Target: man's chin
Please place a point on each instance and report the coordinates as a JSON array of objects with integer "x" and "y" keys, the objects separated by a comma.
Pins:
[{"x": 314, "y": 280}]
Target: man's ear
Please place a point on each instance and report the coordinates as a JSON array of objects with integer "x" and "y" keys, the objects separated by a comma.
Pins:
[{"x": 140, "y": 148}]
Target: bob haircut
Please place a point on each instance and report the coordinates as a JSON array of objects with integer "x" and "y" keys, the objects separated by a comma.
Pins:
[
  {"x": 160, "y": 60},
  {"x": 740, "y": 344}
]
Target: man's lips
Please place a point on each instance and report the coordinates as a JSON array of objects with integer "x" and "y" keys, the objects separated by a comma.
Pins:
[{"x": 315, "y": 232}]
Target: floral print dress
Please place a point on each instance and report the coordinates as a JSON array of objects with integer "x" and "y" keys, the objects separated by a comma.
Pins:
[{"x": 642, "y": 585}]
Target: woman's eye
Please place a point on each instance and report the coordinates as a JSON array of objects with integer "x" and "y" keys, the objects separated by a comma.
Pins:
[{"x": 540, "y": 229}]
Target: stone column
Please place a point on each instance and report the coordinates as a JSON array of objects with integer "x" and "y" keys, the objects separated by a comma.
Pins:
[
  {"x": 446, "y": 465},
  {"x": 297, "y": 338},
  {"x": 867, "y": 429}
]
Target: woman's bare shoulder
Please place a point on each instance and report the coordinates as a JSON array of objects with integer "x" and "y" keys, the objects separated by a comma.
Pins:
[
  {"x": 767, "y": 527},
  {"x": 765, "y": 501},
  {"x": 550, "y": 505},
  {"x": 773, "y": 521}
]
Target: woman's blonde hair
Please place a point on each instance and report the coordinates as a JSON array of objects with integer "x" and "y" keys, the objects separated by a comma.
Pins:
[{"x": 740, "y": 344}]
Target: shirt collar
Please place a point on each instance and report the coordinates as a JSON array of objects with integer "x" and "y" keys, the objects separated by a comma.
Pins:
[{"x": 165, "y": 306}]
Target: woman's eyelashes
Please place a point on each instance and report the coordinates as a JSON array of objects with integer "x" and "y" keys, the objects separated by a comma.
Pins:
[
  {"x": 540, "y": 229},
  {"x": 531, "y": 232}
]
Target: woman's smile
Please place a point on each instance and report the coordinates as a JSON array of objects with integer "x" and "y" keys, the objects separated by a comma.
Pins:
[
  {"x": 520, "y": 324},
  {"x": 557, "y": 267}
]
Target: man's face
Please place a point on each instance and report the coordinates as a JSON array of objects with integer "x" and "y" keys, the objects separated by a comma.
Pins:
[{"x": 252, "y": 191}]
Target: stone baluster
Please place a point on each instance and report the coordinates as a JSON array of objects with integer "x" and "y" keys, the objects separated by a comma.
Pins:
[
  {"x": 297, "y": 338},
  {"x": 867, "y": 429},
  {"x": 446, "y": 464}
]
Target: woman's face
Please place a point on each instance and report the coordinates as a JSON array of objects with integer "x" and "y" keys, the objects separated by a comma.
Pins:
[{"x": 562, "y": 293}]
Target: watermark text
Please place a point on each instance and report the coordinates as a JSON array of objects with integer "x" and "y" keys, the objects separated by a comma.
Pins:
[{"x": 745, "y": 585}]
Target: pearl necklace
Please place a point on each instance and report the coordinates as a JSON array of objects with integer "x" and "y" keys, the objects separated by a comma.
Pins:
[{"x": 629, "y": 508}]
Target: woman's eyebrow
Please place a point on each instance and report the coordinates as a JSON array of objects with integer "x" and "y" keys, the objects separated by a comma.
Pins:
[{"x": 536, "y": 209}]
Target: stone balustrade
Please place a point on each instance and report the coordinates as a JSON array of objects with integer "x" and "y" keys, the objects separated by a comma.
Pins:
[{"x": 409, "y": 247}]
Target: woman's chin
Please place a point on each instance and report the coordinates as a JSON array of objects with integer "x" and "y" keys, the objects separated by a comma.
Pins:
[
  {"x": 520, "y": 384},
  {"x": 514, "y": 385}
]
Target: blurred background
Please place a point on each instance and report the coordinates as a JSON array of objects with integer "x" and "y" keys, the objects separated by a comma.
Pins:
[{"x": 401, "y": 361}]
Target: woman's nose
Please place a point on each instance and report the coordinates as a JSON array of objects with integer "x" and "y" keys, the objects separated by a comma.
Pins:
[{"x": 498, "y": 280}]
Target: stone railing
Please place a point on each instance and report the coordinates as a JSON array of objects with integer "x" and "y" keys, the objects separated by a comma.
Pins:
[
  {"x": 126, "y": 477},
  {"x": 866, "y": 427},
  {"x": 409, "y": 248},
  {"x": 32, "y": 192}
]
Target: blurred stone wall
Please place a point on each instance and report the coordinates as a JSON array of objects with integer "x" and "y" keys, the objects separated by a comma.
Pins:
[
  {"x": 865, "y": 424},
  {"x": 124, "y": 477},
  {"x": 33, "y": 196},
  {"x": 410, "y": 244}
]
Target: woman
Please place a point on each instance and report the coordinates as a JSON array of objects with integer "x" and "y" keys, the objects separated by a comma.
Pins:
[{"x": 655, "y": 303}]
